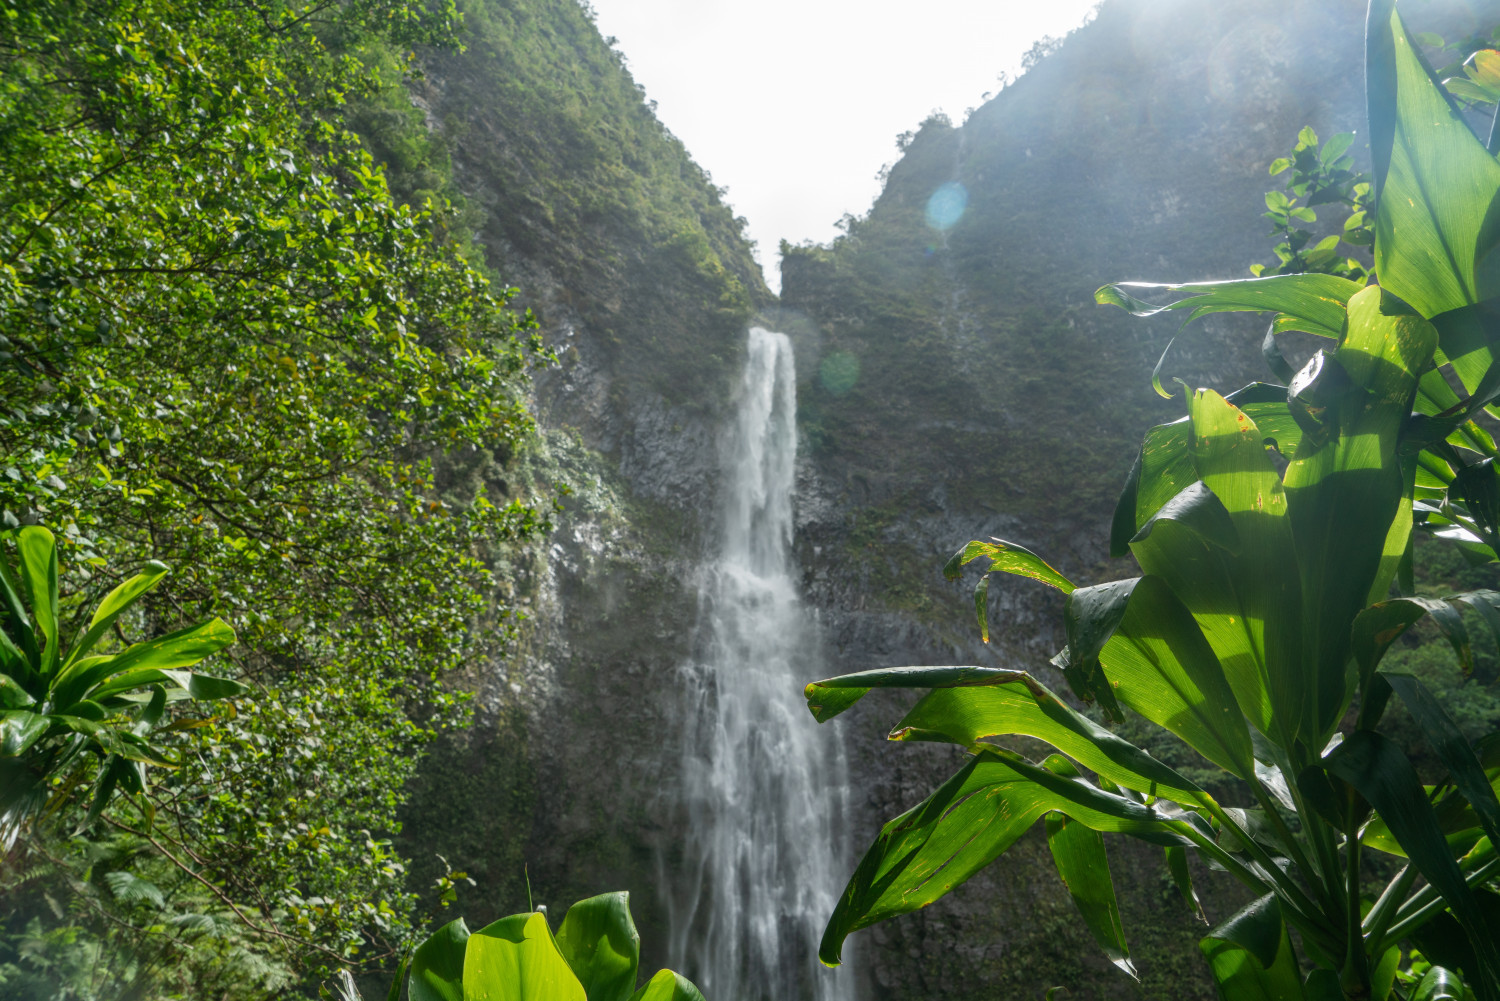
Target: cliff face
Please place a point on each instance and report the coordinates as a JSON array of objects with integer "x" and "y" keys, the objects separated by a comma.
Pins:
[
  {"x": 961, "y": 383},
  {"x": 641, "y": 281},
  {"x": 955, "y": 383}
]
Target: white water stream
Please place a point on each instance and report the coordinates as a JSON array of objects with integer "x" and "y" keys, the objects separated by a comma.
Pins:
[{"x": 764, "y": 789}]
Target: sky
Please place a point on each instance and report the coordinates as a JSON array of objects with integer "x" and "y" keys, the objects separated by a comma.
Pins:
[{"x": 795, "y": 105}]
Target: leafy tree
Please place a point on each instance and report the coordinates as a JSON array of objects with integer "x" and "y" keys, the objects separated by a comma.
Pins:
[
  {"x": 225, "y": 345},
  {"x": 1270, "y": 527}
]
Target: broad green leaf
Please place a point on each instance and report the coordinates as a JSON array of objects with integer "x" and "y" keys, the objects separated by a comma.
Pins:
[
  {"x": 193, "y": 685},
  {"x": 516, "y": 959},
  {"x": 1383, "y": 976},
  {"x": 1079, "y": 855},
  {"x": 128, "y": 745},
  {"x": 1182, "y": 876},
  {"x": 114, "y": 604},
  {"x": 1195, "y": 510},
  {"x": 598, "y": 939},
  {"x": 19, "y": 729},
  {"x": 38, "y": 551},
  {"x": 1251, "y": 956},
  {"x": 437, "y": 965},
  {"x": 113, "y": 769},
  {"x": 1090, "y": 617},
  {"x": 962, "y": 827},
  {"x": 1435, "y": 183},
  {"x": 1164, "y": 465},
  {"x": 1014, "y": 703},
  {"x": 1467, "y": 340},
  {"x": 1383, "y": 776},
  {"x": 1439, "y": 984},
  {"x": 1257, "y": 928},
  {"x": 1309, "y": 302},
  {"x": 1445, "y": 738},
  {"x": 1008, "y": 558},
  {"x": 668, "y": 986},
  {"x": 18, "y": 642},
  {"x": 827, "y": 698},
  {"x": 12, "y": 695},
  {"x": 134, "y": 665},
  {"x": 1159, "y": 664},
  {"x": 394, "y": 994},
  {"x": 1380, "y": 625},
  {"x": 1246, "y": 604},
  {"x": 1344, "y": 487}
]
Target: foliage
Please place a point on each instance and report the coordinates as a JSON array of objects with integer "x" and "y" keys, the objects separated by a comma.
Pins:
[
  {"x": 225, "y": 345},
  {"x": 1270, "y": 527},
  {"x": 594, "y": 956},
  {"x": 584, "y": 188},
  {"x": 62, "y": 701},
  {"x": 1318, "y": 177}
]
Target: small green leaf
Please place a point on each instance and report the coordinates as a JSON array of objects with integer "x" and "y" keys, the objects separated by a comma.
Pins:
[
  {"x": 1008, "y": 558},
  {"x": 981, "y": 606},
  {"x": 1439, "y": 984}
]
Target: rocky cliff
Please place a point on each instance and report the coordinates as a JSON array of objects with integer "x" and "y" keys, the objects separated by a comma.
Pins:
[{"x": 957, "y": 382}]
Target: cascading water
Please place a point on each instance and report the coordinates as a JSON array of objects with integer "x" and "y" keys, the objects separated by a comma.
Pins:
[{"x": 764, "y": 791}]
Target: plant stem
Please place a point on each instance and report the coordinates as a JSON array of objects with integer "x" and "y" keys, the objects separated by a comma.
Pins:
[
  {"x": 1381, "y": 915},
  {"x": 1356, "y": 975},
  {"x": 1305, "y": 920},
  {"x": 1425, "y": 903},
  {"x": 1293, "y": 847},
  {"x": 1288, "y": 887}
]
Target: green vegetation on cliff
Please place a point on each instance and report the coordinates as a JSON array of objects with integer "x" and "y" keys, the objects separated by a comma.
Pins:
[
  {"x": 604, "y": 218},
  {"x": 227, "y": 346}
]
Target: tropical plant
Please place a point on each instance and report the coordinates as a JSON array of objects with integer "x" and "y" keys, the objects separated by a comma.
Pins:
[
  {"x": 1270, "y": 527},
  {"x": 61, "y": 703},
  {"x": 594, "y": 956}
]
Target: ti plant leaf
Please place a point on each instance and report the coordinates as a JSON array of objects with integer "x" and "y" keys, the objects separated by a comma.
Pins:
[
  {"x": 1436, "y": 185},
  {"x": 1251, "y": 957},
  {"x": 1082, "y": 865},
  {"x": 963, "y": 826}
]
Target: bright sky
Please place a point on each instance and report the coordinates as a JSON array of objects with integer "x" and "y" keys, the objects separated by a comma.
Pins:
[{"x": 795, "y": 105}]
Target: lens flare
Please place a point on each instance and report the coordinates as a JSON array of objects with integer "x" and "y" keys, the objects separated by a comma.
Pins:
[
  {"x": 839, "y": 372},
  {"x": 946, "y": 206}
]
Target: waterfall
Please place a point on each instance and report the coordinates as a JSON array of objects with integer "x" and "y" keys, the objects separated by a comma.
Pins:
[{"x": 764, "y": 791}]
